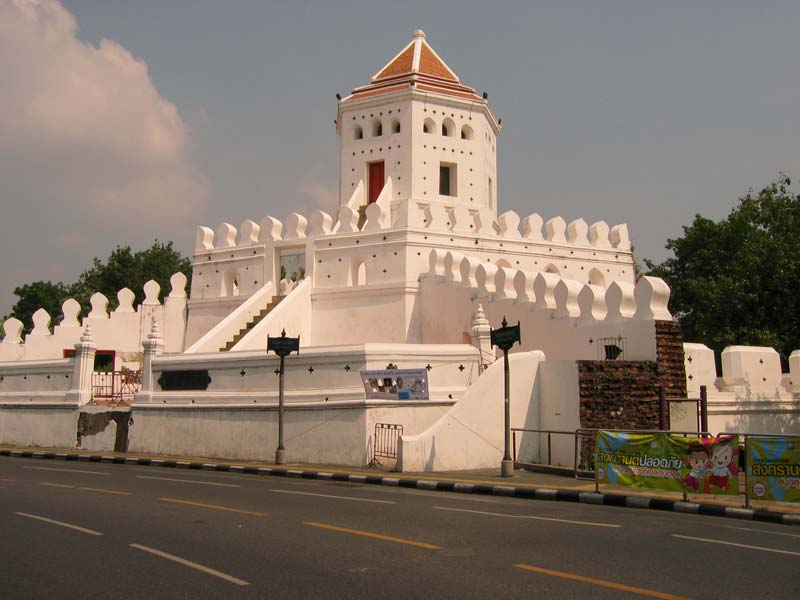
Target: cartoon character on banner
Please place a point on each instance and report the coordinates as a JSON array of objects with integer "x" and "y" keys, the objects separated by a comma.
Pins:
[
  {"x": 722, "y": 455},
  {"x": 698, "y": 462}
]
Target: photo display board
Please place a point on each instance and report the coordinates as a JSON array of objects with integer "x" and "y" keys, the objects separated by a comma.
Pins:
[{"x": 396, "y": 384}]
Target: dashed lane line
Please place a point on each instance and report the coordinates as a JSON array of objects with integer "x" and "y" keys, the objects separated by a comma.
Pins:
[
  {"x": 189, "y": 481},
  {"x": 371, "y": 534},
  {"x": 600, "y": 582},
  {"x": 535, "y": 518},
  {"x": 59, "y": 523},
  {"x": 767, "y": 531},
  {"x": 82, "y": 471},
  {"x": 213, "y": 506},
  {"x": 87, "y": 489},
  {"x": 332, "y": 496},
  {"x": 724, "y": 543},
  {"x": 193, "y": 565}
]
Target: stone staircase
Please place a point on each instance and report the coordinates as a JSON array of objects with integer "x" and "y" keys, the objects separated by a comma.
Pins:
[{"x": 252, "y": 323}]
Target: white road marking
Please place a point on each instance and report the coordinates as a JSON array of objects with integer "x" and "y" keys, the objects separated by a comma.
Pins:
[
  {"x": 762, "y": 548},
  {"x": 791, "y": 535},
  {"x": 188, "y": 481},
  {"x": 191, "y": 564},
  {"x": 69, "y": 470},
  {"x": 480, "y": 512},
  {"x": 330, "y": 496},
  {"x": 62, "y": 524}
]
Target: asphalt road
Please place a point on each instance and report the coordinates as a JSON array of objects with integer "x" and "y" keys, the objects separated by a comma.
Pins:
[{"x": 78, "y": 530}]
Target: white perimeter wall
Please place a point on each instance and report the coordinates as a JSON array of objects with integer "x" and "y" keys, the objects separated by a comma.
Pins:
[
  {"x": 559, "y": 410},
  {"x": 46, "y": 426},
  {"x": 337, "y": 434}
]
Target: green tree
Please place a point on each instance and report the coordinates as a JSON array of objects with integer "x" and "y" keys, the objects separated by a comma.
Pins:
[
  {"x": 123, "y": 268},
  {"x": 35, "y": 295},
  {"x": 737, "y": 281}
]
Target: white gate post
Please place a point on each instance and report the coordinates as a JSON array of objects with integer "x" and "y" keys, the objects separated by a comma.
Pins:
[{"x": 85, "y": 350}]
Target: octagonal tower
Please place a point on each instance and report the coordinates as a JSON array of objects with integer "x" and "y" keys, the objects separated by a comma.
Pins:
[{"x": 416, "y": 123}]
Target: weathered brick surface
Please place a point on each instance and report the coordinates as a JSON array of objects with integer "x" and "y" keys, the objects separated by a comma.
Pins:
[
  {"x": 624, "y": 394},
  {"x": 669, "y": 349}
]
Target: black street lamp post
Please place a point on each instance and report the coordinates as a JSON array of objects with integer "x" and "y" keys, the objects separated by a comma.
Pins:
[
  {"x": 504, "y": 338},
  {"x": 282, "y": 346}
]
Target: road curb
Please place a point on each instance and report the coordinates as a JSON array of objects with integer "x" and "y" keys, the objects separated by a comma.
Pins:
[{"x": 527, "y": 492}]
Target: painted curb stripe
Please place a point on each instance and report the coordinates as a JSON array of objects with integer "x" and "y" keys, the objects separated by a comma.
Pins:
[{"x": 531, "y": 493}]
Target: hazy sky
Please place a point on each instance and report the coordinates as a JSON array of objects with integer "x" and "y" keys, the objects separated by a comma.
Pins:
[{"x": 124, "y": 121}]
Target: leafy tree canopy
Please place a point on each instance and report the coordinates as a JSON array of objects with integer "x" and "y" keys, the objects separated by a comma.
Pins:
[
  {"x": 123, "y": 268},
  {"x": 737, "y": 281}
]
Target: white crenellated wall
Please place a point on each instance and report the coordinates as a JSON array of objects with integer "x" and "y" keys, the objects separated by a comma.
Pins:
[
  {"x": 757, "y": 368},
  {"x": 122, "y": 330},
  {"x": 561, "y": 317},
  {"x": 700, "y": 366},
  {"x": 751, "y": 396},
  {"x": 376, "y": 269}
]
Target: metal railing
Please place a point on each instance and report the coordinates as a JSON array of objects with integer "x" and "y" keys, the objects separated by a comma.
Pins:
[
  {"x": 550, "y": 433},
  {"x": 115, "y": 387},
  {"x": 583, "y": 447},
  {"x": 385, "y": 442}
]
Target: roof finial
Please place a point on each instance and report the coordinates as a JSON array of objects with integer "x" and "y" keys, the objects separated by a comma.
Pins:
[{"x": 418, "y": 33}]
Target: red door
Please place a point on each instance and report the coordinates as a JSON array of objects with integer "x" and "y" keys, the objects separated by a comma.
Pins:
[{"x": 375, "y": 184}]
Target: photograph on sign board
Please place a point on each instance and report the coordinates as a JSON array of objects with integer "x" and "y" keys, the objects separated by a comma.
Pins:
[{"x": 396, "y": 384}]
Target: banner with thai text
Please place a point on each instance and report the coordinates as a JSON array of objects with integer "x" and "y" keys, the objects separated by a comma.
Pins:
[
  {"x": 396, "y": 384},
  {"x": 668, "y": 462},
  {"x": 773, "y": 468}
]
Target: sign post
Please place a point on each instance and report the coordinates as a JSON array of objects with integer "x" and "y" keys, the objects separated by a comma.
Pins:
[
  {"x": 282, "y": 346},
  {"x": 504, "y": 338}
]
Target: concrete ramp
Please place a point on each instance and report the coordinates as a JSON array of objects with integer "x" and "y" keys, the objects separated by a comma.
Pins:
[{"x": 470, "y": 435}]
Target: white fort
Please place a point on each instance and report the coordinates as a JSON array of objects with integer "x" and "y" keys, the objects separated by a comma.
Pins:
[
  {"x": 412, "y": 270},
  {"x": 418, "y": 187}
]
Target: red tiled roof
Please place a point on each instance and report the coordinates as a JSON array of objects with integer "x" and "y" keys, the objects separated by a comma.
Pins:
[
  {"x": 403, "y": 63},
  {"x": 415, "y": 65}
]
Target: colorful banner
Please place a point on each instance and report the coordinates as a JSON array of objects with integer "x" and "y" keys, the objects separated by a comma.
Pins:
[
  {"x": 396, "y": 384},
  {"x": 773, "y": 468},
  {"x": 668, "y": 462}
]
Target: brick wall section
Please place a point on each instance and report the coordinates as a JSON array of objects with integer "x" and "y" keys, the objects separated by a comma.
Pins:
[
  {"x": 669, "y": 350},
  {"x": 632, "y": 386}
]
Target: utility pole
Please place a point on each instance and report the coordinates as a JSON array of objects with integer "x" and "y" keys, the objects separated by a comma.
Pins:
[
  {"x": 504, "y": 338},
  {"x": 282, "y": 346}
]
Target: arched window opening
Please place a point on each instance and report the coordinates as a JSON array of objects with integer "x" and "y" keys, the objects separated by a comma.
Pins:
[
  {"x": 230, "y": 284},
  {"x": 358, "y": 133},
  {"x": 429, "y": 126},
  {"x": 448, "y": 127},
  {"x": 377, "y": 128},
  {"x": 395, "y": 126},
  {"x": 358, "y": 272},
  {"x": 597, "y": 278},
  {"x": 466, "y": 132},
  {"x": 551, "y": 269}
]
